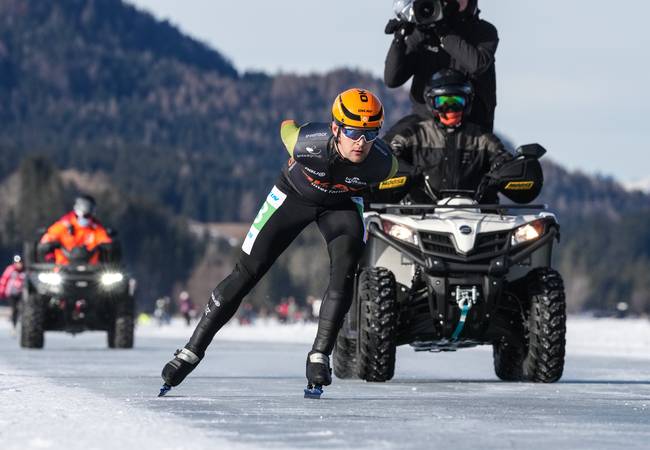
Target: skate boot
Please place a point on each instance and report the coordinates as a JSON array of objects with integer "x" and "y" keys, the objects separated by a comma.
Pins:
[
  {"x": 175, "y": 371},
  {"x": 319, "y": 374}
]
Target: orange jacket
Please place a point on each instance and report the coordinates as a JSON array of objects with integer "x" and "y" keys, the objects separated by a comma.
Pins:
[{"x": 67, "y": 231}]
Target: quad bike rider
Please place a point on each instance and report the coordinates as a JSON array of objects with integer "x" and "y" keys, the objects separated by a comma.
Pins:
[
  {"x": 75, "y": 281},
  {"x": 450, "y": 267}
]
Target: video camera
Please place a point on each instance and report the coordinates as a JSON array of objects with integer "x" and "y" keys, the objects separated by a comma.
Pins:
[{"x": 422, "y": 12}]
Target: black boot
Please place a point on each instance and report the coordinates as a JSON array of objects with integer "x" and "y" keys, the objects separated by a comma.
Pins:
[
  {"x": 319, "y": 372},
  {"x": 175, "y": 371}
]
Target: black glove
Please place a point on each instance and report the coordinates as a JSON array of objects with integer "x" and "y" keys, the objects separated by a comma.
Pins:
[
  {"x": 499, "y": 161},
  {"x": 49, "y": 247},
  {"x": 450, "y": 10},
  {"x": 399, "y": 28},
  {"x": 441, "y": 28},
  {"x": 46, "y": 248}
]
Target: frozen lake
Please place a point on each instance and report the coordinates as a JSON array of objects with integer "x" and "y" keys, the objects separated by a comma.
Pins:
[{"x": 77, "y": 394}]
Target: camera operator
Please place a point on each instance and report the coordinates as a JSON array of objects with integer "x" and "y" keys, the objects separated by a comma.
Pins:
[{"x": 431, "y": 35}]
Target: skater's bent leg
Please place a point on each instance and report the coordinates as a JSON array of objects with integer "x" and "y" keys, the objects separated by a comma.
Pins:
[
  {"x": 344, "y": 253},
  {"x": 280, "y": 220},
  {"x": 223, "y": 304}
]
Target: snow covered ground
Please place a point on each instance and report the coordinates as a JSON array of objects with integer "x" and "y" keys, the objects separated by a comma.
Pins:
[
  {"x": 76, "y": 394},
  {"x": 585, "y": 335}
]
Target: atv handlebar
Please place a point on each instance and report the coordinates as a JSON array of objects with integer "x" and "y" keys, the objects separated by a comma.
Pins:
[{"x": 497, "y": 207}]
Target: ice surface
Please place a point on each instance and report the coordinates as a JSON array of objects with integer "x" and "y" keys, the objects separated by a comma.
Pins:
[{"x": 247, "y": 393}]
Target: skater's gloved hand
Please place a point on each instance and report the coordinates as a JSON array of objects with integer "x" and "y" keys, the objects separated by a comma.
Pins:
[{"x": 399, "y": 28}]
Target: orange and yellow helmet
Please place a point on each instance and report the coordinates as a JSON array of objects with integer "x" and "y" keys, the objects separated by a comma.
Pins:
[{"x": 358, "y": 108}]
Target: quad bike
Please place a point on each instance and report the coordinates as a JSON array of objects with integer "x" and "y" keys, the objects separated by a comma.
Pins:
[
  {"x": 455, "y": 274},
  {"x": 78, "y": 296}
]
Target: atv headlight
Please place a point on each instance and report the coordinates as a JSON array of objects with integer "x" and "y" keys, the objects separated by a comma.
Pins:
[
  {"x": 51, "y": 278},
  {"x": 111, "y": 278},
  {"x": 527, "y": 233},
  {"x": 401, "y": 232}
]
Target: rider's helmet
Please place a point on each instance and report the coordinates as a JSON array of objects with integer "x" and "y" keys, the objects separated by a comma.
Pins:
[
  {"x": 84, "y": 208},
  {"x": 358, "y": 108},
  {"x": 449, "y": 95}
]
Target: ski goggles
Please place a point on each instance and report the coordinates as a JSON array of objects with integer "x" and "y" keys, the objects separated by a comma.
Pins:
[
  {"x": 357, "y": 133},
  {"x": 450, "y": 102}
]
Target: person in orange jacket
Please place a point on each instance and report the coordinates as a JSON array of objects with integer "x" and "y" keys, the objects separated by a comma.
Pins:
[{"x": 78, "y": 234}]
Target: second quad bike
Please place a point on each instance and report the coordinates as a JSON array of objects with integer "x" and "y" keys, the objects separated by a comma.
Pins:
[{"x": 78, "y": 296}]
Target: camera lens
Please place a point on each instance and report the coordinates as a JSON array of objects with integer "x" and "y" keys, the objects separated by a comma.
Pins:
[{"x": 426, "y": 11}]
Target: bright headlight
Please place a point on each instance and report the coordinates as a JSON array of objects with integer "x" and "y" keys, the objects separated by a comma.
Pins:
[
  {"x": 401, "y": 232},
  {"x": 110, "y": 278},
  {"x": 527, "y": 233},
  {"x": 51, "y": 278}
]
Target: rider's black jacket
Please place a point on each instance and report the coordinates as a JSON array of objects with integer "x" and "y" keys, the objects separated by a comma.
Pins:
[
  {"x": 452, "y": 159},
  {"x": 469, "y": 47}
]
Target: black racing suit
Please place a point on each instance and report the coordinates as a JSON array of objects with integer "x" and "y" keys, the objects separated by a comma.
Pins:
[
  {"x": 468, "y": 46},
  {"x": 452, "y": 159},
  {"x": 317, "y": 185}
]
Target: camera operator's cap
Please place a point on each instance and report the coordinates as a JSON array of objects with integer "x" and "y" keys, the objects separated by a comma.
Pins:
[
  {"x": 84, "y": 206},
  {"x": 358, "y": 108}
]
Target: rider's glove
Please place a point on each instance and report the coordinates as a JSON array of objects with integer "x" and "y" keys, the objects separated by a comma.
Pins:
[
  {"x": 48, "y": 247},
  {"x": 499, "y": 161}
]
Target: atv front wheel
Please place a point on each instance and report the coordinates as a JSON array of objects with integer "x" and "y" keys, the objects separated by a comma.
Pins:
[
  {"x": 32, "y": 330},
  {"x": 378, "y": 311},
  {"x": 546, "y": 324}
]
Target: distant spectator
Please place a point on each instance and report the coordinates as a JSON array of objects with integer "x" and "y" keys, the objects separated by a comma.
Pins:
[
  {"x": 186, "y": 307},
  {"x": 283, "y": 310},
  {"x": 293, "y": 312},
  {"x": 162, "y": 312},
  {"x": 11, "y": 286},
  {"x": 247, "y": 314}
]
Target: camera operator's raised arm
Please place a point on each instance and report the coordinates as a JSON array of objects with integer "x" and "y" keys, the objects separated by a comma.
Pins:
[{"x": 474, "y": 58}]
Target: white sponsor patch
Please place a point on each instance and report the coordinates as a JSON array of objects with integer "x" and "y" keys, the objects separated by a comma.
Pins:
[
  {"x": 273, "y": 201},
  {"x": 247, "y": 246},
  {"x": 276, "y": 197}
]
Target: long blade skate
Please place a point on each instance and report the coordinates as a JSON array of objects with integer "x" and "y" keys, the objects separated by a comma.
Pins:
[
  {"x": 164, "y": 390},
  {"x": 314, "y": 391}
]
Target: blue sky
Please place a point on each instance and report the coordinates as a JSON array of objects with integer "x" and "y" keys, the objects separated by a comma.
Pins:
[{"x": 572, "y": 75}]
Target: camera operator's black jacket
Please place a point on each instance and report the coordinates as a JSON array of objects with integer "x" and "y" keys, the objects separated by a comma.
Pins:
[
  {"x": 455, "y": 159},
  {"x": 469, "y": 47}
]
